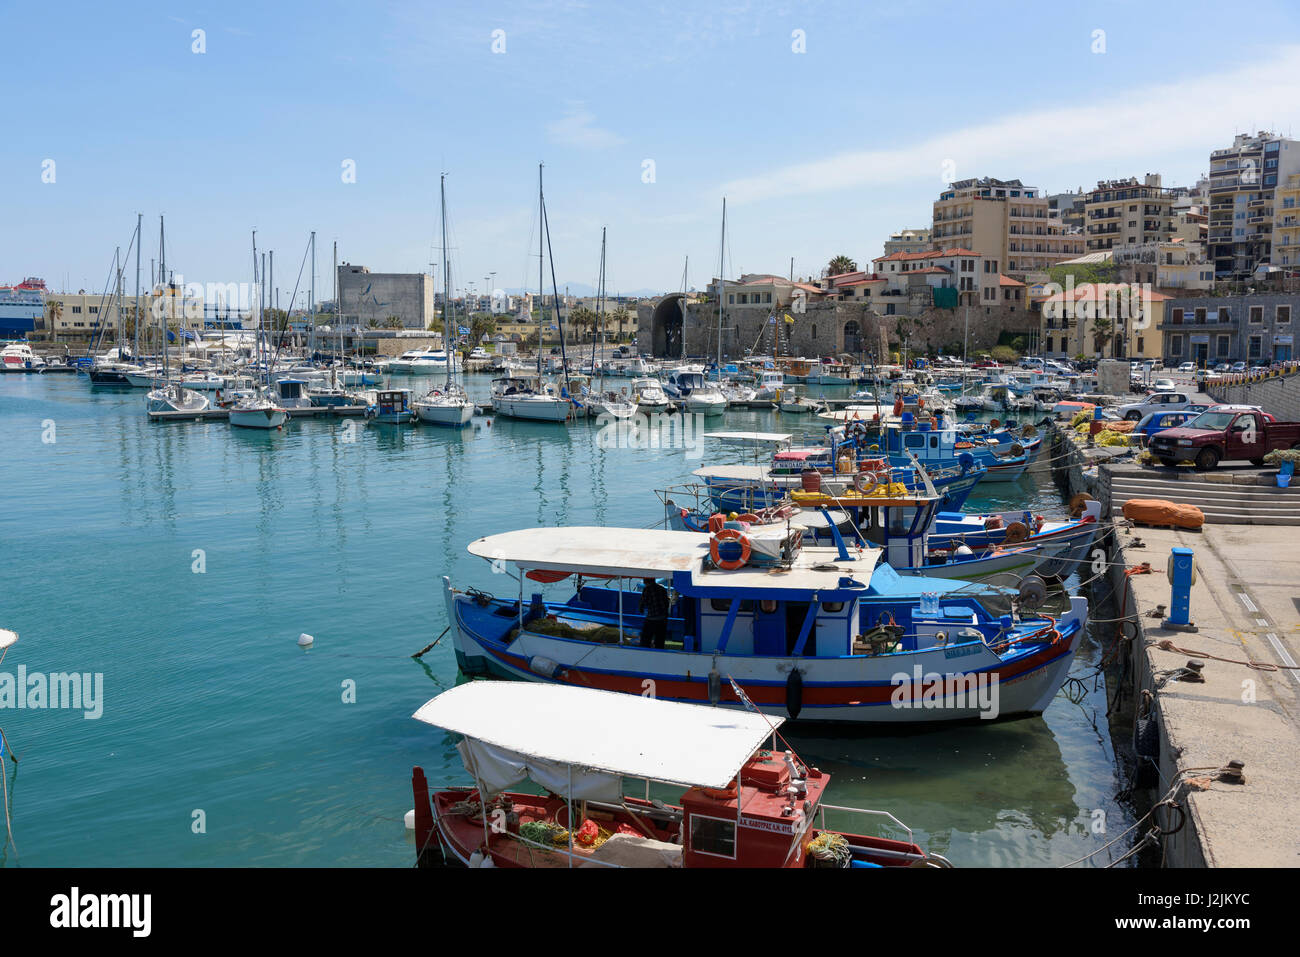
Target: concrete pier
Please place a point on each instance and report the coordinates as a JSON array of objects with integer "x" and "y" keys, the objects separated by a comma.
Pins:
[{"x": 1244, "y": 605}]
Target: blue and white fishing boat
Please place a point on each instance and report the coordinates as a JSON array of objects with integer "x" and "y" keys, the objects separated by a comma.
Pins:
[
  {"x": 823, "y": 634},
  {"x": 391, "y": 406}
]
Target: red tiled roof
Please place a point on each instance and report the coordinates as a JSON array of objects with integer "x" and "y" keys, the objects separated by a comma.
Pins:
[
  {"x": 1008, "y": 281},
  {"x": 1100, "y": 291},
  {"x": 862, "y": 282}
]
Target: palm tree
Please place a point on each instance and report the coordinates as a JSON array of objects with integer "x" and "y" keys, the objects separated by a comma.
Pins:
[
  {"x": 842, "y": 264},
  {"x": 393, "y": 322},
  {"x": 1101, "y": 330}
]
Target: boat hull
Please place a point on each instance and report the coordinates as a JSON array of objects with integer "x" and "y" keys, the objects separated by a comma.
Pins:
[
  {"x": 258, "y": 418},
  {"x": 539, "y": 411}
]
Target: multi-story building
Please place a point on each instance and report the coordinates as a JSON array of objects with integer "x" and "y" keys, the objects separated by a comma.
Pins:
[
  {"x": 1106, "y": 320},
  {"x": 1124, "y": 212},
  {"x": 1286, "y": 224},
  {"x": 370, "y": 298},
  {"x": 1244, "y": 179},
  {"x": 1213, "y": 329},
  {"x": 908, "y": 241},
  {"x": 1007, "y": 223},
  {"x": 1068, "y": 208}
]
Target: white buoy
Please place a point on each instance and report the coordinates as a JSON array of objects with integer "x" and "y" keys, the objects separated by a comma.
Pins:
[
  {"x": 305, "y": 640},
  {"x": 410, "y": 819}
]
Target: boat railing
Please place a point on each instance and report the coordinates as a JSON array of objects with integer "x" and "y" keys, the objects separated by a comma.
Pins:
[{"x": 823, "y": 808}]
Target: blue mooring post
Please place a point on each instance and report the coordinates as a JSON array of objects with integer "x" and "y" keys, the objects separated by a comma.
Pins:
[{"x": 1182, "y": 572}]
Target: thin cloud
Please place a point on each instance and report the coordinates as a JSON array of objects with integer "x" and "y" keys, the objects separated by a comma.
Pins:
[
  {"x": 578, "y": 129},
  {"x": 1156, "y": 120}
]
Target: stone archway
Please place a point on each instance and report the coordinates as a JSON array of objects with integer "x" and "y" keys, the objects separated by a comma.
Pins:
[
  {"x": 852, "y": 337},
  {"x": 666, "y": 326}
]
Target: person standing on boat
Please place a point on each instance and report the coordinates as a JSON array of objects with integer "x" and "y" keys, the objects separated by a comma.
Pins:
[{"x": 654, "y": 603}]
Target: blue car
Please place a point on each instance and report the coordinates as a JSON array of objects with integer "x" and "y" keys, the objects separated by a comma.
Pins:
[{"x": 1154, "y": 422}]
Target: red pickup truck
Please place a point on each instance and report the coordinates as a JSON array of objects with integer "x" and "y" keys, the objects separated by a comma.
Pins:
[{"x": 1216, "y": 436}]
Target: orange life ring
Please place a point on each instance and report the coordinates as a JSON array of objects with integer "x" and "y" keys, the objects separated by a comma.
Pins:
[
  {"x": 729, "y": 535},
  {"x": 865, "y": 481},
  {"x": 749, "y": 518}
]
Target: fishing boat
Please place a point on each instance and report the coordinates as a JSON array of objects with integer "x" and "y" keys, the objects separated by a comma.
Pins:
[
  {"x": 448, "y": 406},
  {"x": 827, "y": 633},
  {"x": 747, "y": 798},
  {"x": 392, "y": 407}
]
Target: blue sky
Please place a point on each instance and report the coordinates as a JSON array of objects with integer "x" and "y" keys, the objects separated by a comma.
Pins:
[{"x": 821, "y": 152}]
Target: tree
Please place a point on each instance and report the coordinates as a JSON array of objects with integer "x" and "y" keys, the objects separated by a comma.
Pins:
[
  {"x": 1102, "y": 327},
  {"x": 583, "y": 319},
  {"x": 393, "y": 322},
  {"x": 481, "y": 324},
  {"x": 842, "y": 264},
  {"x": 1005, "y": 354}
]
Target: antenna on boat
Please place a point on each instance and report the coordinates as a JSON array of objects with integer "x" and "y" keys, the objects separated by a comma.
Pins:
[{"x": 745, "y": 700}]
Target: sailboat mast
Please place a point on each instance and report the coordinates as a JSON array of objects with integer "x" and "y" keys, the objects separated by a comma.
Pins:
[
  {"x": 446, "y": 282},
  {"x": 600, "y": 313},
  {"x": 722, "y": 282},
  {"x": 541, "y": 261},
  {"x": 162, "y": 272},
  {"x": 311, "y": 296},
  {"x": 139, "y": 238}
]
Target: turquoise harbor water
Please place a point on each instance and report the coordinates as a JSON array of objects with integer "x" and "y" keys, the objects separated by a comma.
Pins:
[{"x": 210, "y": 706}]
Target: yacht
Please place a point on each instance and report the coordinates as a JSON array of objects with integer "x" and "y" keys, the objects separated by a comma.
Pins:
[
  {"x": 523, "y": 396},
  {"x": 649, "y": 395},
  {"x": 424, "y": 362}
]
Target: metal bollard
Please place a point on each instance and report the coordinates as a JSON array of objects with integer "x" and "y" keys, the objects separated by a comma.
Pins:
[{"x": 1181, "y": 572}]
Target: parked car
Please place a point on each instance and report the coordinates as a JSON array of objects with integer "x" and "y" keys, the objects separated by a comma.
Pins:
[
  {"x": 1156, "y": 402},
  {"x": 1222, "y": 367},
  {"x": 1220, "y": 435},
  {"x": 1259, "y": 364},
  {"x": 1238, "y": 367},
  {"x": 1154, "y": 422},
  {"x": 1164, "y": 385},
  {"x": 1187, "y": 367}
]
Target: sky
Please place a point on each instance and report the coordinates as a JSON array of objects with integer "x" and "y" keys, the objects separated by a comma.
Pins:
[{"x": 826, "y": 126}]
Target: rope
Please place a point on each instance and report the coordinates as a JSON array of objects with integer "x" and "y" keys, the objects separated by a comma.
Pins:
[
  {"x": 1154, "y": 834},
  {"x": 1165, "y": 644}
]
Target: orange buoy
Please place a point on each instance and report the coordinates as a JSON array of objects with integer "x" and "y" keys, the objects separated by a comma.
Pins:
[{"x": 729, "y": 535}]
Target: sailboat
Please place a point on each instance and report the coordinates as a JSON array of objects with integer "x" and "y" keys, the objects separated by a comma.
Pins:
[
  {"x": 450, "y": 405},
  {"x": 523, "y": 395},
  {"x": 612, "y": 404},
  {"x": 707, "y": 398},
  {"x": 169, "y": 396},
  {"x": 253, "y": 408}
]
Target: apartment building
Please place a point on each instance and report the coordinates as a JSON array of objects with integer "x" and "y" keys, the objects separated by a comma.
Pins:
[
  {"x": 1106, "y": 320},
  {"x": 1124, "y": 212},
  {"x": 1007, "y": 223},
  {"x": 1286, "y": 223},
  {"x": 1213, "y": 329},
  {"x": 908, "y": 241},
  {"x": 1244, "y": 181}
]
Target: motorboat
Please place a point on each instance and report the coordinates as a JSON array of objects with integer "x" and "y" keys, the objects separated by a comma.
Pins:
[
  {"x": 254, "y": 409},
  {"x": 649, "y": 395},
  {"x": 746, "y": 798},
  {"x": 826, "y": 634},
  {"x": 705, "y": 399},
  {"x": 392, "y": 407}
]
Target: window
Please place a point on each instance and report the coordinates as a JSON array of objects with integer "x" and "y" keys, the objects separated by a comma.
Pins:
[
  {"x": 1176, "y": 316},
  {"x": 832, "y": 607},
  {"x": 1256, "y": 345},
  {"x": 1283, "y": 314},
  {"x": 1200, "y": 314},
  {"x": 731, "y": 300},
  {"x": 812, "y": 332},
  {"x": 1140, "y": 348},
  {"x": 1221, "y": 346},
  {"x": 1256, "y": 314},
  {"x": 1224, "y": 314},
  {"x": 1175, "y": 345},
  {"x": 76, "y": 310},
  {"x": 713, "y": 835},
  {"x": 93, "y": 310}
]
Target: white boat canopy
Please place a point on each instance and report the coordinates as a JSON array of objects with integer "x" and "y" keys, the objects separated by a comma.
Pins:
[
  {"x": 592, "y": 550},
  {"x": 549, "y": 728},
  {"x": 751, "y": 438}
]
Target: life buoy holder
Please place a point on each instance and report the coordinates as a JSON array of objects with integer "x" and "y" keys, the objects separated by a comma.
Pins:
[
  {"x": 729, "y": 535},
  {"x": 898, "y": 406},
  {"x": 716, "y": 522}
]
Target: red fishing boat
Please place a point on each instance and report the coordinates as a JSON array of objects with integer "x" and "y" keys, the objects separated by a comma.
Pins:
[{"x": 743, "y": 805}]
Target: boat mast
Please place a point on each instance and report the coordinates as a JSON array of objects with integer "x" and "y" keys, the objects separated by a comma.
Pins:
[
  {"x": 139, "y": 218},
  {"x": 541, "y": 288},
  {"x": 681, "y": 305},
  {"x": 722, "y": 282},
  {"x": 600, "y": 314},
  {"x": 311, "y": 296},
  {"x": 446, "y": 283},
  {"x": 162, "y": 273}
]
